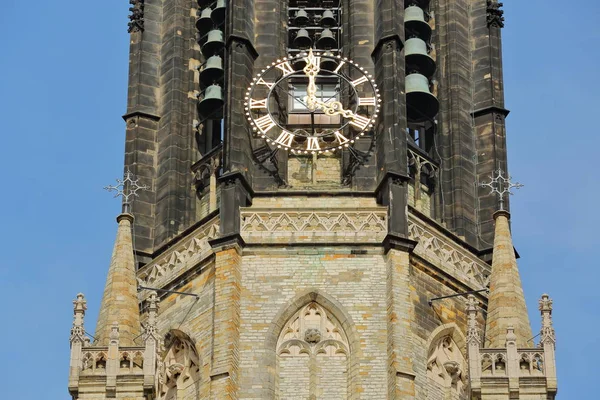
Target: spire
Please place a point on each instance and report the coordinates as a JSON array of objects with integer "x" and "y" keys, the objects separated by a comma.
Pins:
[
  {"x": 506, "y": 305},
  {"x": 120, "y": 301}
]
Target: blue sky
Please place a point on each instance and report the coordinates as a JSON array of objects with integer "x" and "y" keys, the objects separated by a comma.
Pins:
[{"x": 62, "y": 92}]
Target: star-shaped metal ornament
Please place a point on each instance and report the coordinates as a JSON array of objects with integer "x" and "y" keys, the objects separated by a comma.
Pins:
[
  {"x": 126, "y": 188},
  {"x": 501, "y": 185}
]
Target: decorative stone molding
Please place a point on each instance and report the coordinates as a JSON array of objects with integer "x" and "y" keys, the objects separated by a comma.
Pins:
[
  {"x": 312, "y": 226},
  {"x": 547, "y": 333},
  {"x": 180, "y": 257},
  {"x": 495, "y": 14},
  {"x": 436, "y": 248},
  {"x": 136, "y": 18}
]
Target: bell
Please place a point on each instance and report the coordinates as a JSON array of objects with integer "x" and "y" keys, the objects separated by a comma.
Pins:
[
  {"x": 414, "y": 22},
  {"x": 328, "y": 61},
  {"x": 204, "y": 23},
  {"x": 417, "y": 58},
  {"x": 327, "y": 40},
  {"x": 302, "y": 40},
  {"x": 301, "y": 18},
  {"x": 218, "y": 13},
  {"x": 214, "y": 43},
  {"x": 327, "y": 19},
  {"x": 212, "y": 71},
  {"x": 212, "y": 103},
  {"x": 204, "y": 3},
  {"x": 421, "y": 105}
]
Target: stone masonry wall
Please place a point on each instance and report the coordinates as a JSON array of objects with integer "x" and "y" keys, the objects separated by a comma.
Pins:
[{"x": 278, "y": 282}]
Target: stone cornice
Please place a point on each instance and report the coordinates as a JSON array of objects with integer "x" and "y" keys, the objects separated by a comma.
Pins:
[
  {"x": 436, "y": 248},
  {"x": 178, "y": 259}
]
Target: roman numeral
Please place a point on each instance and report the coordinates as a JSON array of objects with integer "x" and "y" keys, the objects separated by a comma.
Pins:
[
  {"x": 341, "y": 138},
  {"x": 359, "y": 121},
  {"x": 265, "y": 123},
  {"x": 360, "y": 80},
  {"x": 285, "y": 139},
  {"x": 367, "y": 101},
  {"x": 313, "y": 144},
  {"x": 286, "y": 67},
  {"x": 258, "y": 103},
  {"x": 340, "y": 65},
  {"x": 261, "y": 81}
]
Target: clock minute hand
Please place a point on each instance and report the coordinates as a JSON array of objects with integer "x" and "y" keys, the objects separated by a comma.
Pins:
[{"x": 311, "y": 70}]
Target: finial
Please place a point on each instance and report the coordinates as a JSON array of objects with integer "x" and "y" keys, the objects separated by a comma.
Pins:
[
  {"x": 78, "y": 330},
  {"x": 473, "y": 335},
  {"x": 126, "y": 188},
  {"x": 501, "y": 185},
  {"x": 153, "y": 305},
  {"x": 547, "y": 332}
]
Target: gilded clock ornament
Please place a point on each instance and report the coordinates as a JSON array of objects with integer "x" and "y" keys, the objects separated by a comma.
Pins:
[{"x": 312, "y": 103}]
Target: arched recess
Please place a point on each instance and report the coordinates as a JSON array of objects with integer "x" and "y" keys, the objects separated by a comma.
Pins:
[
  {"x": 446, "y": 364},
  {"x": 313, "y": 347},
  {"x": 179, "y": 375}
]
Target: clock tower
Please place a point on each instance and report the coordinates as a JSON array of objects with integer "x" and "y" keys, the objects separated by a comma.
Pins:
[{"x": 314, "y": 224}]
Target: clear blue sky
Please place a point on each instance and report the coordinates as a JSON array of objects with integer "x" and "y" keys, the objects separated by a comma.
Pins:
[{"x": 62, "y": 93}]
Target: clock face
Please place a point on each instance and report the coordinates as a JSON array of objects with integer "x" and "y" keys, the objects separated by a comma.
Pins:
[{"x": 312, "y": 103}]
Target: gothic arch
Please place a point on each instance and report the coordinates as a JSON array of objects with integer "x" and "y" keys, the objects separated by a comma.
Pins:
[
  {"x": 319, "y": 344},
  {"x": 179, "y": 368},
  {"x": 446, "y": 363}
]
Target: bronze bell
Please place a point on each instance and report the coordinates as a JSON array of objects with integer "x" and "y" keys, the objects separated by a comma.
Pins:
[
  {"x": 417, "y": 57},
  {"x": 327, "y": 19},
  {"x": 327, "y": 40},
  {"x": 414, "y": 22},
  {"x": 420, "y": 103},
  {"x": 204, "y": 23},
  {"x": 212, "y": 102},
  {"x": 214, "y": 43},
  {"x": 302, "y": 40},
  {"x": 218, "y": 13},
  {"x": 328, "y": 61},
  {"x": 212, "y": 71},
  {"x": 301, "y": 18}
]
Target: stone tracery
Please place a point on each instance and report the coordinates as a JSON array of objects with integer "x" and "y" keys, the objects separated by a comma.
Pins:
[
  {"x": 180, "y": 367},
  {"x": 312, "y": 350},
  {"x": 446, "y": 369}
]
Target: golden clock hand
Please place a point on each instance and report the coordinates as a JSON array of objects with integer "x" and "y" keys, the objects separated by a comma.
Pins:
[
  {"x": 311, "y": 70},
  {"x": 334, "y": 108}
]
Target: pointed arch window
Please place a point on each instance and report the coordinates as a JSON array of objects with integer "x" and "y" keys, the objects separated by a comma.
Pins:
[
  {"x": 312, "y": 357},
  {"x": 179, "y": 370}
]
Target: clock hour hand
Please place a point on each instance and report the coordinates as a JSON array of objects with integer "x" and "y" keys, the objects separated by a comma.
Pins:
[{"x": 334, "y": 108}]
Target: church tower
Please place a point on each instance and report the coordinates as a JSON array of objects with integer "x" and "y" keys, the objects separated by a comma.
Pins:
[{"x": 314, "y": 224}]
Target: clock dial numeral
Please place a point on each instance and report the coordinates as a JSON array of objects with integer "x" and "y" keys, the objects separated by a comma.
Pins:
[
  {"x": 313, "y": 144},
  {"x": 285, "y": 139},
  {"x": 358, "y": 81},
  {"x": 367, "y": 101},
  {"x": 261, "y": 81},
  {"x": 359, "y": 121},
  {"x": 265, "y": 123},
  {"x": 340, "y": 65},
  {"x": 286, "y": 67},
  {"x": 258, "y": 103},
  {"x": 341, "y": 138}
]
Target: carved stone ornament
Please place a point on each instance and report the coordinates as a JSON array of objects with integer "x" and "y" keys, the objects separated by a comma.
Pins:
[
  {"x": 495, "y": 14},
  {"x": 180, "y": 366},
  {"x": 435, "y": 247},
  {"x": 446, "y": 366},
  {"x": 180, "y": 257},
  {"x": 136, "y": 18}
]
